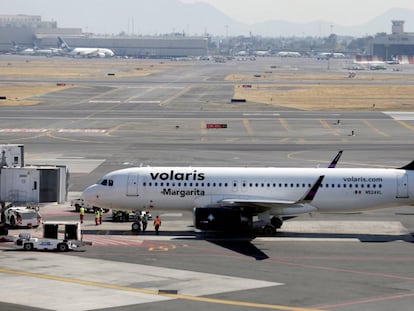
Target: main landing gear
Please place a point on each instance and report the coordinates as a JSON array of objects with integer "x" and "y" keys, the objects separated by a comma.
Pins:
[{"x": 269, "y": 228}]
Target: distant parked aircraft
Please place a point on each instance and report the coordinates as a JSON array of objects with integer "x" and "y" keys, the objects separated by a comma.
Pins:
[
  {"x": 84, "y": 52},
  {"x": 289, "y": 54},
  {"x": 17, "y": 49}
]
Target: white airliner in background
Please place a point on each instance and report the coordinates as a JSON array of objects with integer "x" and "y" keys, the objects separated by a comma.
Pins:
[
  {"x": 84, "y": 52},
  {"x": 230, "y": 197}
]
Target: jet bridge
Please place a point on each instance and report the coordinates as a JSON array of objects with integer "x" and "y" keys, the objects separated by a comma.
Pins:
[{"x": 32, "y": 184}]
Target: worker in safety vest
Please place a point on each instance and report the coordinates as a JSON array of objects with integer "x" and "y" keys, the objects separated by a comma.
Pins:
[
  {"x": 144, "y": 220},
  {"x": 97, "y": 216},
  {"x": 81, "y": 214},
  {"x": 100, "y": 216},
  {"x": 157, "y": 223}
]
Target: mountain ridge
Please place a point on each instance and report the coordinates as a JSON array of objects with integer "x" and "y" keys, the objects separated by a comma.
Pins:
[{"x": 153, "y": 17}]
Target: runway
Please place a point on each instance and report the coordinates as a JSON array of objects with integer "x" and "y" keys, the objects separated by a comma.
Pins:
[{"x": 317, "y": 262}]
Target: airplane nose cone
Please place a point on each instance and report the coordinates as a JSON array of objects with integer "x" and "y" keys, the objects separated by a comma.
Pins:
[{"x": 90, "y": 195}]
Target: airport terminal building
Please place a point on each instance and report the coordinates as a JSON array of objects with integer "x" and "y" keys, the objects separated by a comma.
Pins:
[
  {"x": 397, "y": 45},
  {"x": 29, "y": 30}
]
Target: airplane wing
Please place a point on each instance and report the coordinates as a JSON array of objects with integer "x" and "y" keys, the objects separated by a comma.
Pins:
[{"x": 260, "y": 206}]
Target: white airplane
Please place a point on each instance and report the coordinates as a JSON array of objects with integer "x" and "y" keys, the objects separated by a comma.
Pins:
[
  {"x": 289, "y": 54},
  {"x": 84, "y": 52},
  {"x": 230, "y": 197},
  {"x": 261, "y": 53},
  {"x": 47, "y": 52},
  {"x": 17, "y": 49}
]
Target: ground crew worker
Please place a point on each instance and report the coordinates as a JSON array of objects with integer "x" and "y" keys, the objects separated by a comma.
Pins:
[
  {"x": 97, "y": 216},
  {"x": 157, "y": 223},
  {"x": 144, "y": 221},
  {"x": 81, "y": 214},
  {"x": 100, "y": 215}
]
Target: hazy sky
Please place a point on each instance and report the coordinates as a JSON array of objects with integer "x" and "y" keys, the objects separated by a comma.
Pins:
[{"x": 342, "y": 12}]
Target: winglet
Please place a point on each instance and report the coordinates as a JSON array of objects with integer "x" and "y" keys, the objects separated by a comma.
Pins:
[
  {"x": 335, "y": 160},
  {"x": 408, "y": 167},
  {"x": 310, "y": 195}
]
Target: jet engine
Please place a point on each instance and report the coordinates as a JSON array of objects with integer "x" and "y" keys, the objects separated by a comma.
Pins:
[{"x": 221, "y": 219}]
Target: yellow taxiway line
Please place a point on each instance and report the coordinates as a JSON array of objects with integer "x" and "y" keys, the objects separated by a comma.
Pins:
[{"x": 154, "y": 292}]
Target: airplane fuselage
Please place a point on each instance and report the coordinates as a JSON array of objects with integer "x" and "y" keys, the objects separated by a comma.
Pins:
[{"x": 275, "y": 189}]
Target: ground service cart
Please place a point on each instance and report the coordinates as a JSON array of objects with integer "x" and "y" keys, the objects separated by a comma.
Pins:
[{"x": 61, "y": 236}]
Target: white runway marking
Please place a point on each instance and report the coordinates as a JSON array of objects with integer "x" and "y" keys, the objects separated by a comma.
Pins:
[
  {"x": 90, "y": 131},
  {"x": 104, "y": 101},
  {"x": 144, "y": 102},
  {"x": 400, "y": 115},
  {"x": 9, "y": 130}
]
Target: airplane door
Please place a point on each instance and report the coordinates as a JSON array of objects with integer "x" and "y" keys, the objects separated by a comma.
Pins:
[
  {"x": 235, "y": 186},
  {"x": 402, "y": 186},
  {"x": 132, "y": 184},
  {"x": 244, "y": 186}
]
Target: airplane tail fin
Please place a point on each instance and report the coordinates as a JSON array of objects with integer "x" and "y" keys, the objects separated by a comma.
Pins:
[{"x": 62, "y": 43}]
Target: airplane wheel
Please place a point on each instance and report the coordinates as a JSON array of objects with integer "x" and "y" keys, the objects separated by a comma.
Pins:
[
  {"x": 269, "y": 230},
  {"x": 28, "y": 246},
  {"x": 136, "y": 227},
  {"x": 62, "y": 247},
  {"x": 276, "y": 222}
]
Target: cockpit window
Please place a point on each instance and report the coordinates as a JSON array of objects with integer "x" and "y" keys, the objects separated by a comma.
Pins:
[{"x": 106, "y": 182}]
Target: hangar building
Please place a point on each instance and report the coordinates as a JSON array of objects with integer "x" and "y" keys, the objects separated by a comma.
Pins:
[
  {"x": 396, "y": 45},
  {"x": 28, "y": 30}
]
